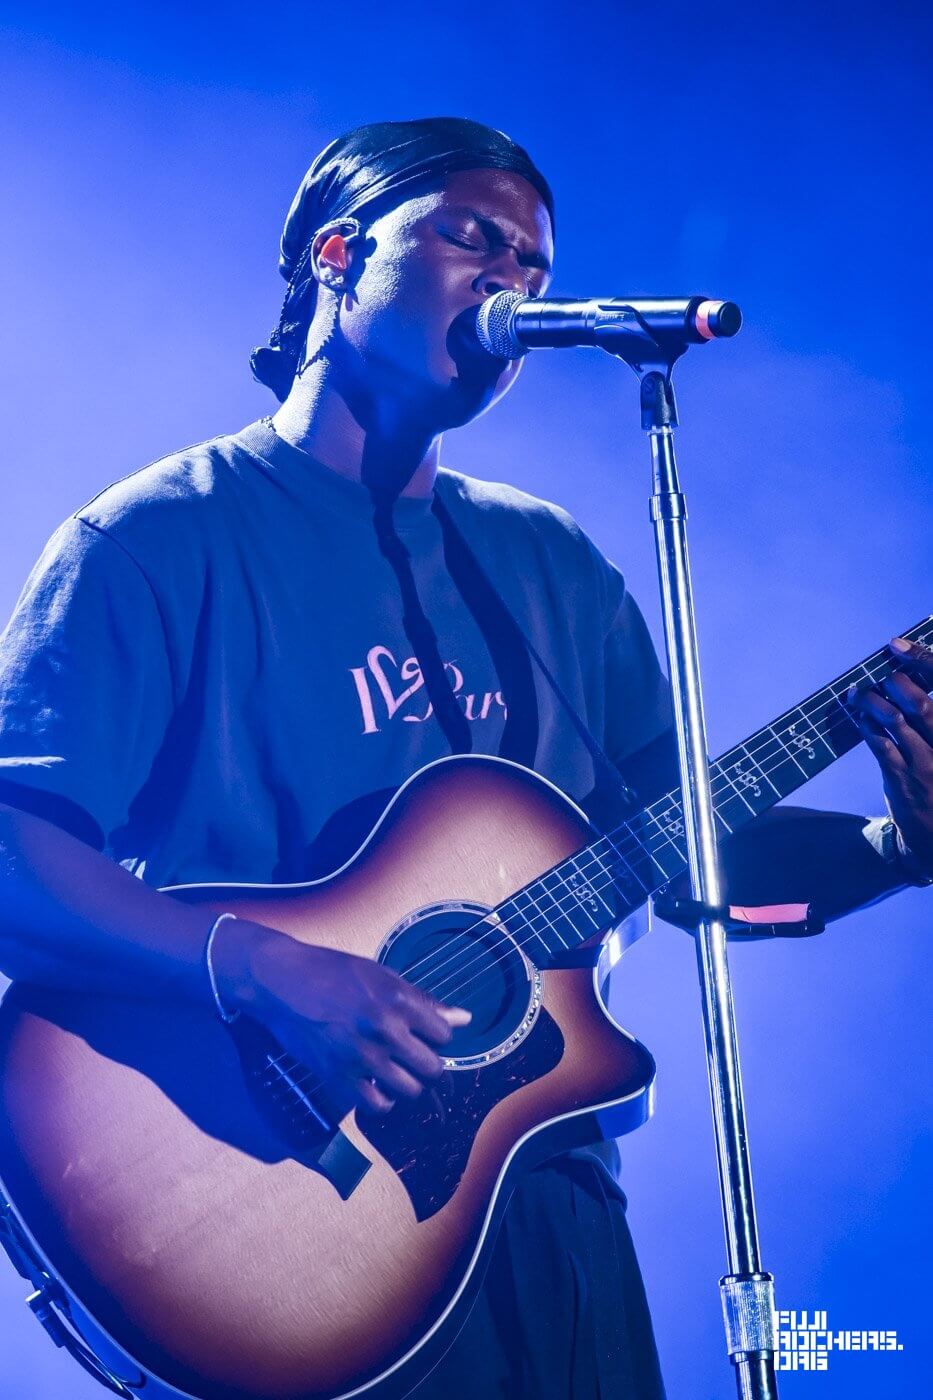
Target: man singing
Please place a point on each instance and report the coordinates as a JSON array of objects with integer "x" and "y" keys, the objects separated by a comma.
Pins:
[{"x": 222, "y": 667}]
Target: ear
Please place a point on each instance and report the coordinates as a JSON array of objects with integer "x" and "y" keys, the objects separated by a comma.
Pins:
[{"x": 334, "y": 253}]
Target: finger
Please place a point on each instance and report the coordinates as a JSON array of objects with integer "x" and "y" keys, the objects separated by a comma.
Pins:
[
  {"x": 882, "y": 746},
  {"x": 919, "y": 658},
  {"x": 888, "y": 717},
  {"x": 391, "y": 1034},
  {"x": 421, "y": 1011},
  {"x": 914, "y": 702},
  {"x": 430, "y": 1019},
  {"x": 412, "y": 1052},
  {"x": 390, "y": 1077},
  {"x": 457, "y": 1015},
  {"x": 373, "y": 1097}
]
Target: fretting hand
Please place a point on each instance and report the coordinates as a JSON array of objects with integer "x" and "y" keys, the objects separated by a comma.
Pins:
[{"x": 896, "y": 722}]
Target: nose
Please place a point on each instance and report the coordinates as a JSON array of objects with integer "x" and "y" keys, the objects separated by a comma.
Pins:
[{"x": 504, "y": 273}]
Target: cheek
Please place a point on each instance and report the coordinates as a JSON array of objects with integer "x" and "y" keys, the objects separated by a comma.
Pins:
[{"x": 391, "y": 312}]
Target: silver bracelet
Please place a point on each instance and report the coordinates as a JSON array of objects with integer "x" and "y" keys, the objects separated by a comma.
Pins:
[{"x": 226, "y": 1016}]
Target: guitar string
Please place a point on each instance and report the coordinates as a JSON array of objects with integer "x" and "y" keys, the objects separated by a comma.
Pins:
[
  {"x": 670, "y": 800},
  {"x": 302, "y": 1082},
  {"x": 512, "y": 940},
  {"x": 637, "y": 847},
  {"x": 633, "y": 847}
]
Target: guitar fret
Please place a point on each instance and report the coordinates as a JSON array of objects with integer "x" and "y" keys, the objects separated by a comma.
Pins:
[
  {"x": 618, "y": 859},
  {"x": 649, "y": 849},
  {"x": 759, "y": 768},
  {"x": 809, "y": 744},
  {"x": 650, "y": 840},
  {"x": 748, "y": 776},
  {"x": 529, "y": 923},
  {"x": 551, "y": 918},
  {"x": 670, "y": 823},
  {"x": 609, "y": 884},
  {"x": 739, "y": 793},
  {"x": 789, "y": 752},
  {"x": 582, "y": 893}
]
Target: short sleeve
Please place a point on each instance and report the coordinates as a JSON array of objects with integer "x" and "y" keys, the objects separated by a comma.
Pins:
[{"x": 85, "y": 685}]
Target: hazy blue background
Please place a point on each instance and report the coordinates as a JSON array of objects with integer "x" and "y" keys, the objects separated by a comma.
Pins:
[{"x": 775, "y": 154}]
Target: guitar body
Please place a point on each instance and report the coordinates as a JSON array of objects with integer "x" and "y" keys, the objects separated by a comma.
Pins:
[{"x": 232, "y": 1260}]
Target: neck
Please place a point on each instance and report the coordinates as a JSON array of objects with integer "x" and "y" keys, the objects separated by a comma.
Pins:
[{"x": 376, "y": 443}]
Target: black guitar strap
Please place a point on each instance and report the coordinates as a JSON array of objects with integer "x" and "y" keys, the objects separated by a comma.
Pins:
[
  {"x": 454, "y": 724},
  {"x": 461, "y": 560}
]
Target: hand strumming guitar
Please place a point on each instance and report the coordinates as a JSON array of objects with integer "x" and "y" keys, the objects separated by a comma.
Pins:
[{"x": 353, "y": 1022}]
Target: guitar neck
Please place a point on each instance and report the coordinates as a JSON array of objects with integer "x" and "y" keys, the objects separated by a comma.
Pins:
[{"x": 615, "y": 874}]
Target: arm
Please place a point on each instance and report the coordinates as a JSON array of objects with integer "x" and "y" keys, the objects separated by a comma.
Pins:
[
  {"x": 790, "y": 855},
  {"x": 837, "y": 862},
  {"x": 85, "y": 697},
  {"x": 834, "y": 861},
  {"x": 70, "y": 918},
  {"x": 795, "y": 855}
]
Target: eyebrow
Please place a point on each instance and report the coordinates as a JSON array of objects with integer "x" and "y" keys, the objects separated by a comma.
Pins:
[{"x": 495, "y": 231}]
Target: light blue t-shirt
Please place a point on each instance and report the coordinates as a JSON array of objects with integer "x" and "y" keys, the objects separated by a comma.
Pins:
[{"x": 208, "y": 674}]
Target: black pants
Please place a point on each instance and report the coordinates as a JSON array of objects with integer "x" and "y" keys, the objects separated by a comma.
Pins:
[{"x": 562, "y": 1314}]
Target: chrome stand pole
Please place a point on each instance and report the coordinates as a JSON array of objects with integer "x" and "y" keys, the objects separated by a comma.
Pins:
[{"x": 747, "y": 1292}]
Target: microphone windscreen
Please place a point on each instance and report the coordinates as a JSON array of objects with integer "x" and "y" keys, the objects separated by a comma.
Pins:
[{"x": 494, "y": 326}]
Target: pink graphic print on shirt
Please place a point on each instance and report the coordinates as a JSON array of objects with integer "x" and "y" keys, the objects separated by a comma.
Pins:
[{"x": 387, "y": 693}]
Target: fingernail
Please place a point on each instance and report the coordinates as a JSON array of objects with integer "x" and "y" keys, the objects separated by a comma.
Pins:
[
  {"x": 851, "y": 694},
  {"x": 898, "y": 644},
  {"x": 457, "y": 1015}
]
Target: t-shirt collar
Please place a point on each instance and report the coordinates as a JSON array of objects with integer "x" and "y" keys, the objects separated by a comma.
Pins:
[{"x": 306, "y": 473}]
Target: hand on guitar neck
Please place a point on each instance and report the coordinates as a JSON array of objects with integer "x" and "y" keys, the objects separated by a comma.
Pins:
[
  {"x": 896, "y": 721},
  {"x": 791, "y": 856}
]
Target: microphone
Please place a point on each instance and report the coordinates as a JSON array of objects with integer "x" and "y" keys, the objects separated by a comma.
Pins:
[{"x": 509, "y": 325}]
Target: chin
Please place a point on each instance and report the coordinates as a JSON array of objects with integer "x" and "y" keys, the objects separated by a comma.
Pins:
[
  {"x": 474, "y": 385},
  {"x": 465, "y": 400}
]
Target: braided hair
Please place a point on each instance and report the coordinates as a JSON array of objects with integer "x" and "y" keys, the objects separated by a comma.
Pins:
[{"x": 276, "y": 364}]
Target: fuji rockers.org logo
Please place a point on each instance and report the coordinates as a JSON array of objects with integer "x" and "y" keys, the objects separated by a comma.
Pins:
[{"x": 805, "y": 1341}]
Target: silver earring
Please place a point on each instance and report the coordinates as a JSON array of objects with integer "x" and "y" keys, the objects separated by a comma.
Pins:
[{"x": 334, "y": 283}]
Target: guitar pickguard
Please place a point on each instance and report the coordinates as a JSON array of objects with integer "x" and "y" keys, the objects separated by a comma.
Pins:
[{"x": 428, "y": 1141}]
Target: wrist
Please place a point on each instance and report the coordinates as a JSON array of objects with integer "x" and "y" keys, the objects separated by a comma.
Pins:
[
  {"x": 235, "y": 946},
  {"x": 919, "y": 870},
  {"x": 905, "y": 866}
]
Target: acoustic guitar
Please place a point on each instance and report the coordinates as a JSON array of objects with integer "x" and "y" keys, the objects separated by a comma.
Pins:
[{"x": 217, "y": 1224}]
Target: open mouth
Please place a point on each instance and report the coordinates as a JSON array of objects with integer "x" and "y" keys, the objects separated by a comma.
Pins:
[{"x": 464, "y": 348}]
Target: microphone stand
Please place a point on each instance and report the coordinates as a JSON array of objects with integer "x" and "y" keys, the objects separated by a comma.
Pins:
[{"x": 747, "y": 1292}]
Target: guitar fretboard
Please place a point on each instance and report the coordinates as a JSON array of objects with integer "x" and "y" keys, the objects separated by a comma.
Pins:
[{"x": 615, "y": 874}]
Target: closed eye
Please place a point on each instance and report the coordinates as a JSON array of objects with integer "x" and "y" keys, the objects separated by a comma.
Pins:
[
  {"x": 461, "y": 242},
  {"x": 473, "y": 247}
]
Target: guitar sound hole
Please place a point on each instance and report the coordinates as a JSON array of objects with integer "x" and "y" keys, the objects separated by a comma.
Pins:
[{"x": 458, "y": 956}]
